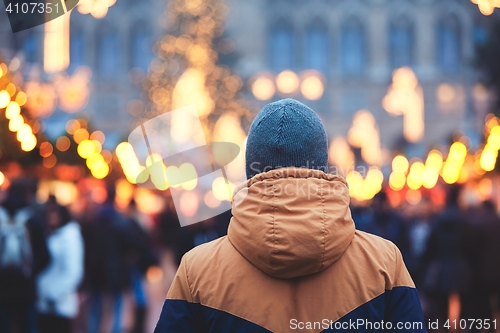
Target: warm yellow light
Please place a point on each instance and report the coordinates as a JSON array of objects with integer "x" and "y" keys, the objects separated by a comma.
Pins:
[
  {"x": 11, "y": 89},
  {"x": 364, "y": 133},
  {"x": 188, "y": 172},
  {"x": 400, "y": 164},
  {"x": 341, "y": 155},
  {"x": 12, "y": 110},
  {"x": 24, "y": 132},
  {"x": 312, "y": 88},
  {"x": 93, "y": 160},
  {"x": 86, "y": 148},
  {"x": 21, "y": 98},
  {"x": 80, "y": 135},
  {"x": 29, "y": 143},
  {"x": 430, "y": 177},
  {"x": 263, "y": 88},
  {"x": 397, "y": 181},
  {"x": 56, "y": 44},
  {"x": 434, "y": 160},
  {"x": 158, "y": 171},
  {"x": 124, "y": 193},
  {"x": 494, "y": 138},
  {"x": 174, "y": 176},
  {"x": 458, "y": 151},
  {"x": 4, "y": 99},
  {"x": 221, "y": 190},
  {"x": 15, "y": 123},
  {"x": 451, "y": 175},
  {"x": 486, "y": 7},
  {"x": 445, "y": 93},
  {"x": 414, "y": 179},
  {"x": 375, "y": 175},
  {"x": 100, "y": 170},
  {"x": 405, "y": 97},
  {"x": 488, "y": 158},
  {"x": 123, "y": 149},
  {"x": 356, "y": 184},
  {"x": 287, "y": 82},
  {"x": 2, "y": 176}
]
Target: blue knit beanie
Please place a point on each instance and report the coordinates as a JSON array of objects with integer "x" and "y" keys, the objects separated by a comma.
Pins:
[{"x": 286, "y": 133}]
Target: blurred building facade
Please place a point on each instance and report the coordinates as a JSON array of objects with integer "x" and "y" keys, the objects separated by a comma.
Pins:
[
  {"x": 118, "y": 48},
  {"x": 356, "y": 45}
]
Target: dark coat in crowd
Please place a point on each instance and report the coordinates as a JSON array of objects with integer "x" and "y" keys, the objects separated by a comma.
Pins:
[
  {"x": 446, "y": 258},
  {"x": 109, "y": 241},
  {"x": 23, "y": 291}
]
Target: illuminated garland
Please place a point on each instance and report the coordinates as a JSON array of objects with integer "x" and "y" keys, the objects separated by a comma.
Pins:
[{"x": 12, "y": 98}]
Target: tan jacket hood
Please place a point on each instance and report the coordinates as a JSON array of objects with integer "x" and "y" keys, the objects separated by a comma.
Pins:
[{"x": 291, "y": 222}]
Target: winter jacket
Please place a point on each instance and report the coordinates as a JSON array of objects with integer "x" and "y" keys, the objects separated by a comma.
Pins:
[
  {"x": 292, "y": 262},
  {"x": 58, "y": 283}
]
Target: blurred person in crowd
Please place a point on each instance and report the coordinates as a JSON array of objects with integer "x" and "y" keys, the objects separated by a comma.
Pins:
[
  {"x": 292, "y": 255},
  {"x": 419, "y": 231},
  {"x": 193, "y": 235},
  {"x": 141, "y": 258},
  {"x": 58, "y": 283},
  {"x": 387, "y": 223},
  {"x": 483, "y": 297},
  {"x": 182, "y": 239},
  {"x": 168, "y": 225},
  {"x": 445, "y": 261},
  {"x": 109, "y": 240},
  {"x": 23, "y": 255},
  {"x": 362, "y": 216}
]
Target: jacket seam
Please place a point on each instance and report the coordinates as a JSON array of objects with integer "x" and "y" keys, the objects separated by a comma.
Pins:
[
  {"x": 187, "y": 279},
  {"x": 274, "y": 227},
  {"x": 396, "y": 267},
  {"x": 323, "y": 223}
]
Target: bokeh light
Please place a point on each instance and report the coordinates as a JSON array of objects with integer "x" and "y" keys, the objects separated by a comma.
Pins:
[{"x": 287, "y": 82}]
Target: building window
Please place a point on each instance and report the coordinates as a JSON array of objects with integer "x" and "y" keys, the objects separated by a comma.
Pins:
[
  {"x": 108, "y": 52},
  {"x": 31, "y": 47},
  {"x": 449, "y": 53},
  {"x": 77, "y": 48},
  {"x": 401, "y": 43},
  {"x": 316, "y": 47},
  {"x": 141, "y": 47},
  {"x": 281, "y": 46},
  {"x": 353, "y": 48}
]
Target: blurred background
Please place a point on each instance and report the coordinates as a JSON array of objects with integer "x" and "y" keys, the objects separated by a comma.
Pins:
[{"x": 408, "y": 91}]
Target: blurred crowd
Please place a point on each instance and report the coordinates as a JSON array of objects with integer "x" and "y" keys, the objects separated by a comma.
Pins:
[
  {"x": 63, "y": 272},
  {"x": 451, "y": 253}
]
